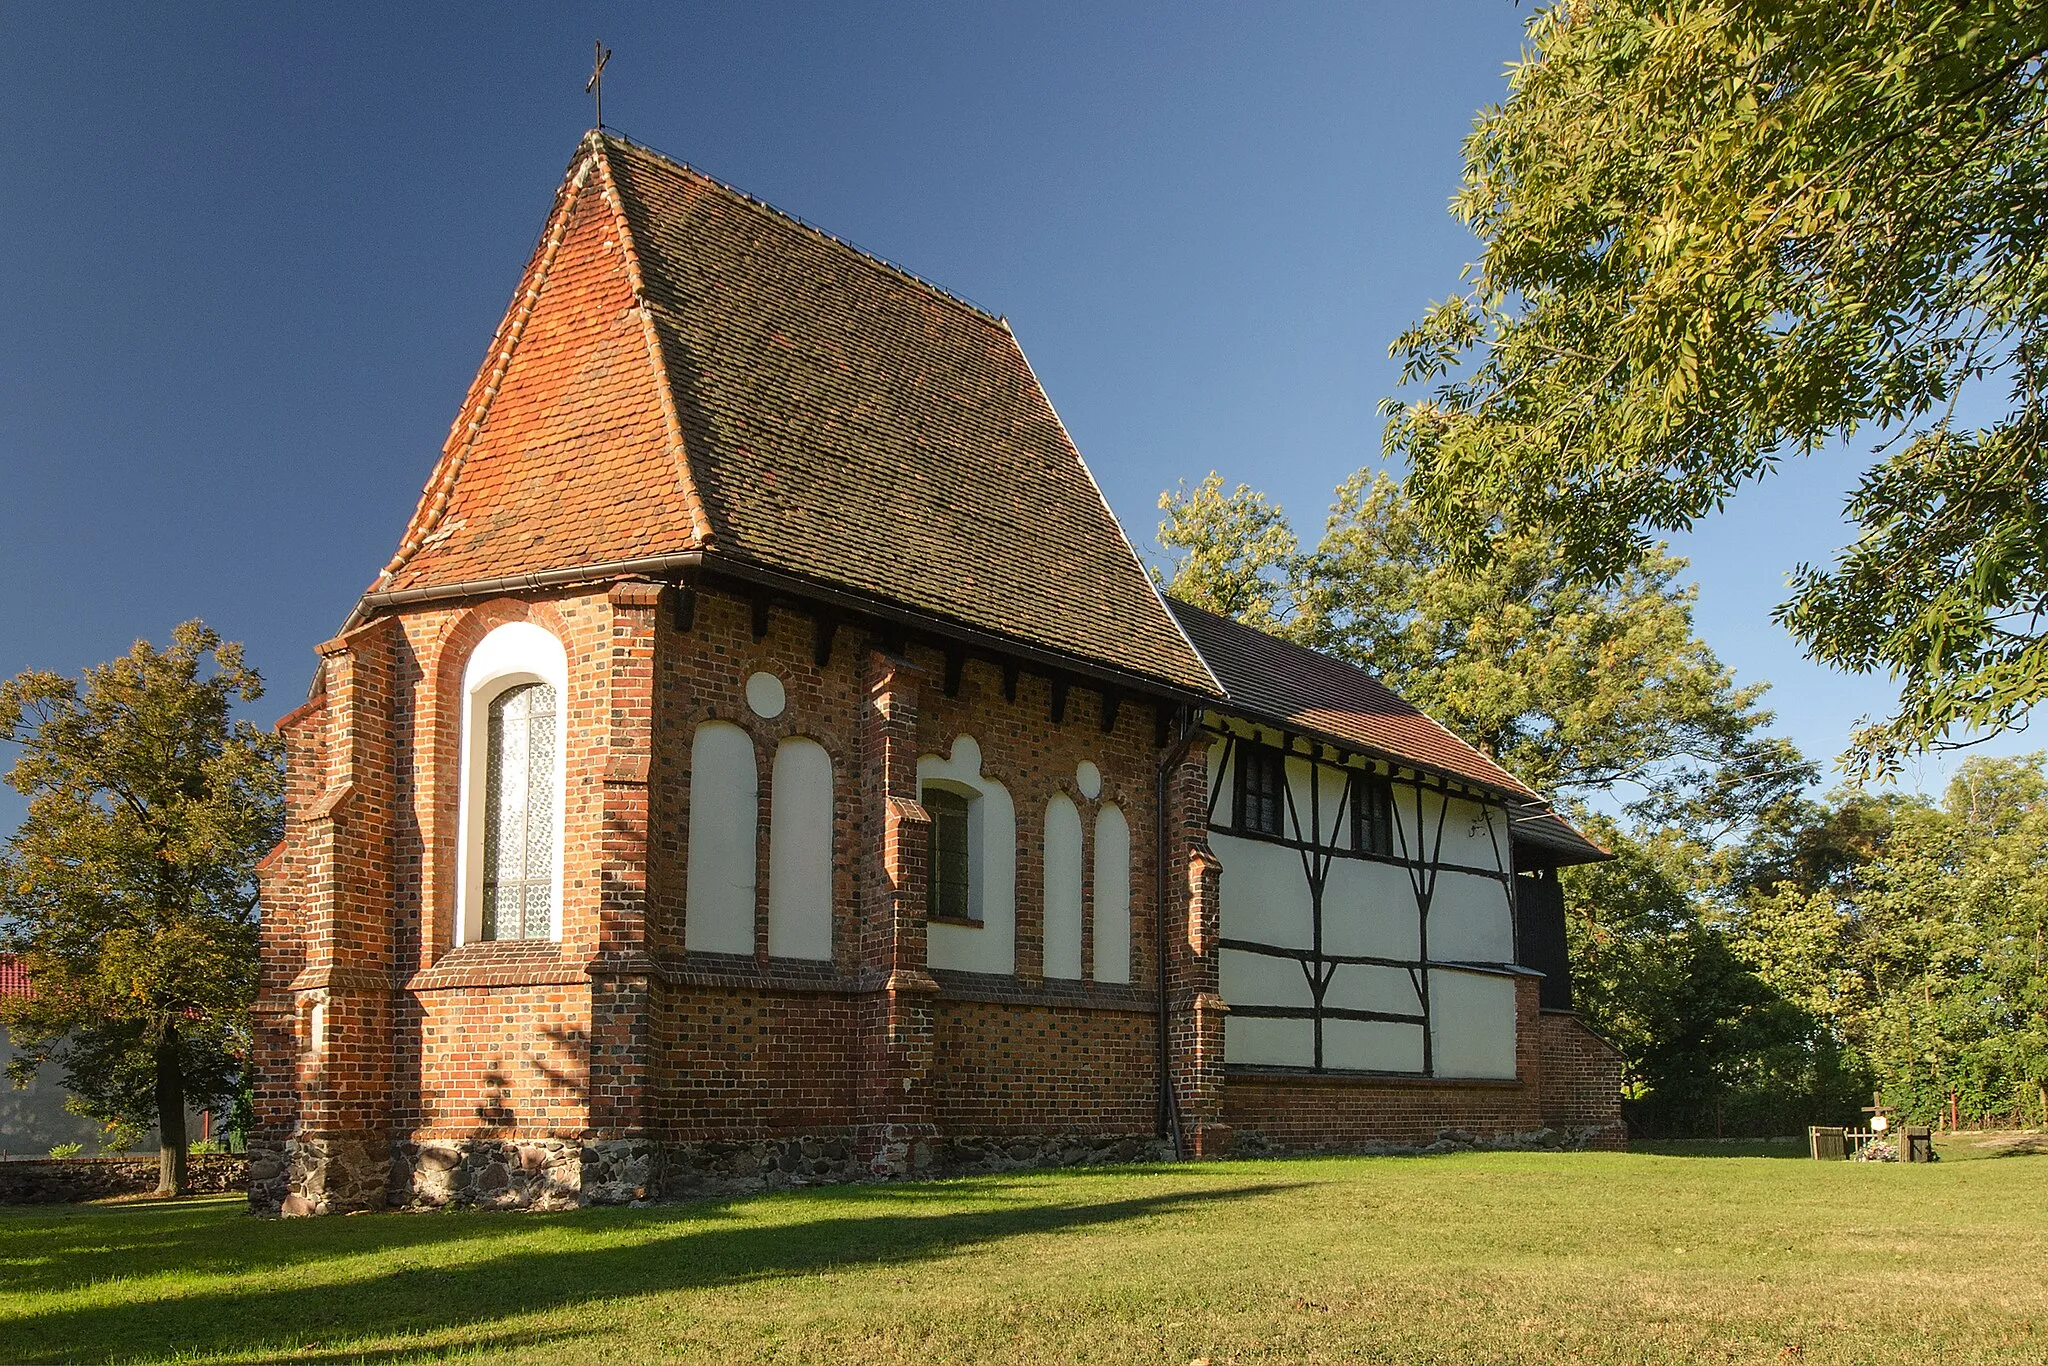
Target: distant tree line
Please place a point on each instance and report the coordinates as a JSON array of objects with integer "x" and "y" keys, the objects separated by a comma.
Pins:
[{"x": 1853, "y": 943}]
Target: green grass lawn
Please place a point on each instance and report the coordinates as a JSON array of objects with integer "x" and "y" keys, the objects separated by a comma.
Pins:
[{"x": 1478, "y": 1257}]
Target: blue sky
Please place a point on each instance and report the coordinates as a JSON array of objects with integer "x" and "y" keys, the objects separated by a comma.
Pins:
[{"x": 250, "y": 257}]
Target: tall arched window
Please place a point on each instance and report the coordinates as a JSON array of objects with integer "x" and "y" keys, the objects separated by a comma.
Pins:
[
  {"x": 519, "y": 813},
  {"x": 725, "y": 821},
  {"x": 514, "y": 782},
  {"x": 1062, "y": 887}
]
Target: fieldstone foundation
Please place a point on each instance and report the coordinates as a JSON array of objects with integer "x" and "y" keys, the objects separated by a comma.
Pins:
[{"x": 337, "y": 1173}]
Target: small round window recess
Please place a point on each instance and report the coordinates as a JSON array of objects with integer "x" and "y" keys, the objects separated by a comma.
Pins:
[
  {"x": 765, "y": 697},
  {"x": 1088, "y": 778}
]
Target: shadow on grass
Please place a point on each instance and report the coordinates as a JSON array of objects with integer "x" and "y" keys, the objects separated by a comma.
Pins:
[
  {"x": 415, "y": 1291},
  {"x": 1713, "y": 1147}
]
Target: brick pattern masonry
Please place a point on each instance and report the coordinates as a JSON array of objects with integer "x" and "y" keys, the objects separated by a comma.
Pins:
[{"x": 398, "y": 1068}]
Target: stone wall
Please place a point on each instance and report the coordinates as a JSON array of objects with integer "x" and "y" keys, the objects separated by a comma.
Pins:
[{"x": 55, "y": 1181}]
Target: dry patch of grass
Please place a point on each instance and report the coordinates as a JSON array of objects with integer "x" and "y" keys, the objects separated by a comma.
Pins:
[{"x": 1479, "y": 1257}]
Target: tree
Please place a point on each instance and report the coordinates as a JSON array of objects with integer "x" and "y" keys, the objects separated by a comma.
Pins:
[
  {"x": 129, "y": 890},
  {"x": 1582, "y": 690},
  {"x": 1916, "y": 935},
  {"x": 1717, "y": 233}
]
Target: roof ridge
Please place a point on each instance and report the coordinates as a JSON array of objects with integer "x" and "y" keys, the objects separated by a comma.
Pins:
[
  {"x": 1088, "y": 473},
  {"x": 657, "y": 358},
  {"x": 755, "y": 201}
]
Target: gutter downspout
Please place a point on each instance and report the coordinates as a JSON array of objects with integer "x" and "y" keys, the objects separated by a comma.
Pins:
[{"x": 1168, "y": 1119}]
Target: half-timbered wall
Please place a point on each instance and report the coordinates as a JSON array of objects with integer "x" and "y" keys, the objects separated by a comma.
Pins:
[{"x": 1351, "y": 945}]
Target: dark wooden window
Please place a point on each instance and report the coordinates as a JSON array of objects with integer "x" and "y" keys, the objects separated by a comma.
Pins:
[
  {"x": 1372, "y": 814},
  {"x": 950, "y": 877},
  {"x": 1261, "y": 790}
]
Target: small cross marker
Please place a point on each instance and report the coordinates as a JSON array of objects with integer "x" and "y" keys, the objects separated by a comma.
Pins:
[{"x": 595, "y": 85}]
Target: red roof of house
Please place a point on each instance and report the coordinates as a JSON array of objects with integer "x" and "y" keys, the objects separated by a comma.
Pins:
[
  {"x": 1308, "y": 692},
  {"x": 14, "y": 977},
  {"x": 685, "y": 369}
]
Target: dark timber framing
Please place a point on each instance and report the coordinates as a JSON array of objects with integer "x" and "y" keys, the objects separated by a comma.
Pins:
[{"x": 1417, "y": 850}]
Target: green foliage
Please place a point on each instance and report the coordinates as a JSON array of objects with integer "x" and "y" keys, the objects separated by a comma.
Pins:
[
  {"x": 1842, "y": 944},
  {"x": 61, "y": 1151},
  {"x": 1720, "y": 232},
  {"x": 1580, "y": 690},
  {"x": 129, "y": 890},
  {"x": 120, "y": 1136},
  {"x": 1711, "y": 1042}
]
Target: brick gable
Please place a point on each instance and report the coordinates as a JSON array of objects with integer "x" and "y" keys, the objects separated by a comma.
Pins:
[{"x": 687, "y": 370}]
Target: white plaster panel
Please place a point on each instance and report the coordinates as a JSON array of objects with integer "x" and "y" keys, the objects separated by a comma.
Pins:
[
  {"x": 1263, "y": 893},
  {"x": 1466, "y": 839},
  {"x": 1219, "y": 785},
  {"x": 990, "y": 946},
  {"x": 765, "y": 695},
  {"x": 1364, "y": 986},
  {"x": 724, "y": 816},
  {"x": 800, "y": 851},
  {"x": 1415, "y": 821},
  {"x": 1298, "y": 821},
  {"x": 1259, "y": 979},
  {"x": 1112, "y": 895},
  {"x": 1088, "y": 778},
  {"x": 1371, "y": 1046},
  {"x": 1270, "y": 1043},
  {"x": 1472, "y": 1024},
  {"x": 1062, "y": 888},
  {"x": 1336, "y": 805},
  {"x": 1470, "y": 921},
  {"x": 1369, "y": 909}
]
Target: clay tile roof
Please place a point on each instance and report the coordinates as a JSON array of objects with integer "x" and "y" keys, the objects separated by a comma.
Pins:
[
  {"x": 14, "y": 977},
  {"x": 1293, "y": 686},
  {"x": 818, "y": 413}
]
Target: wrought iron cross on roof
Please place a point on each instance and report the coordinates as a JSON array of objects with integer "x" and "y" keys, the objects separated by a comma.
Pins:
[{"x": 595, "y": 85}]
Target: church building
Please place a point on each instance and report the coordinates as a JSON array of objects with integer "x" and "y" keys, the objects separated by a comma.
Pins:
[{"x": 766, "y": 761}]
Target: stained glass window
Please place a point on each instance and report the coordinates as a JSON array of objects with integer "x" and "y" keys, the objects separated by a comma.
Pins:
[{"x": 519, "y": 814}]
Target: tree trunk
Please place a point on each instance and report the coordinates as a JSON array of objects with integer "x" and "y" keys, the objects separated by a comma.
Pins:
[{"x": 170, "y": 1116}]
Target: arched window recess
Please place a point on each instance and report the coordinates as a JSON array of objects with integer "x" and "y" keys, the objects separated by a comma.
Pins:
[{"x": 513, "y": 781}]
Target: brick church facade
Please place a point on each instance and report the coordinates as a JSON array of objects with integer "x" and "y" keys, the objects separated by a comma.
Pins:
[{"x": 766, "y": 761}]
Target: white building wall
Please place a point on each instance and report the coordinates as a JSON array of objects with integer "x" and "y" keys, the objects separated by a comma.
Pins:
[{"x": 1369, "y": 908}]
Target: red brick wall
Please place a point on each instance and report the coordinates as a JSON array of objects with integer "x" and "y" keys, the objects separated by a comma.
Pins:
[
  {"x": 1011, "y": 1069},
  {"x": 1581, "y": 1077},
  {"x": 736, "y": 1064},
  {"x": 618, "y": 1032}
]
